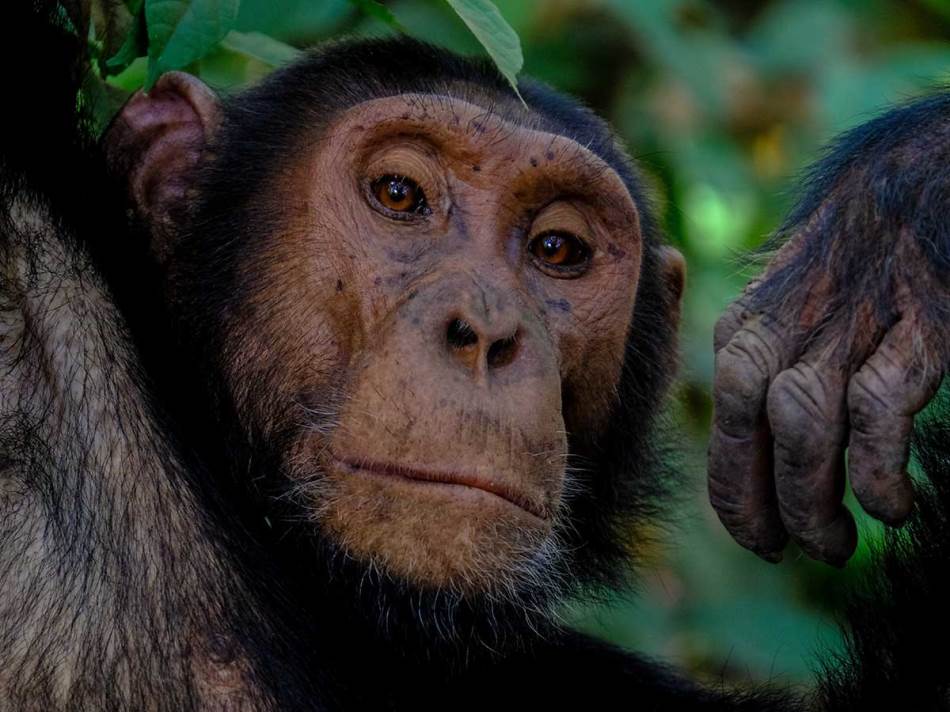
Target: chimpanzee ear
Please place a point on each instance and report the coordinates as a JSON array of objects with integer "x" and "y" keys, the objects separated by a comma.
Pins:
[
  {"x": 156, "y": 142},
  {"x": 673, "y": 275}
]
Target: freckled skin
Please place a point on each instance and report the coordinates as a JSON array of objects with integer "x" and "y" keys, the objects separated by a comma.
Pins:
[
  {"x": 404, "y": 399},
  {"x": 559, "y": 304}
]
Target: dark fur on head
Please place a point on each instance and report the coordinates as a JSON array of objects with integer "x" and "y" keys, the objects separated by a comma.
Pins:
[{"x": 619, "y": 470}]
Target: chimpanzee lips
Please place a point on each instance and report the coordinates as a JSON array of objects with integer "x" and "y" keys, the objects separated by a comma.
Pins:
[{"x": 502, "y": 490}]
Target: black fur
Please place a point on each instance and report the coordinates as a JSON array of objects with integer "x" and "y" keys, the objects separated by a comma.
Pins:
[
  {"x": 621, "y": 468},
  {"x": 875, "y": 180},
  {"x": 313, "y": 638},
  {"x": 112, "y": 577},
  {"x": 898, "y": 621}
]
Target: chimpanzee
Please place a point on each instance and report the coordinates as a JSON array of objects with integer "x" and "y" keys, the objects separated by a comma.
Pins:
[{"x": 323, "y": 397}]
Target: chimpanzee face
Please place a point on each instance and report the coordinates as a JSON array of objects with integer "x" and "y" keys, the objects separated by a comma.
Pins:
[
  {"x": 442, "y": 277},
  {"x": 443, "y": 297}
]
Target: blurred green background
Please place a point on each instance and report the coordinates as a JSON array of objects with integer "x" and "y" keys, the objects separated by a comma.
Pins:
[{"x": 722, "y": 103}]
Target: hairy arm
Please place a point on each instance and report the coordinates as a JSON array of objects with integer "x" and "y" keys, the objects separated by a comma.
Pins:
[
  {"x": 103, "y": 557},
  {"x": 113, "y": 593},
  {"x": 841, "y": 341}
]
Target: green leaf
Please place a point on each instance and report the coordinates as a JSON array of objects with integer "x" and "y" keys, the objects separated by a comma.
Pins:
[
  {"x": 260, "y": 47},
  {"x": 132, "y": 78},
  {"x": 183, "y": 31},
  {"x": 377, "y": 11},
  {"x": 134, "y": 46},
  {"x": 496, "y": 35}
]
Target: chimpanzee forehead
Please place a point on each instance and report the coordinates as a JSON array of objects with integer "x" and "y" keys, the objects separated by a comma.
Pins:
[{"x": 473, "y": 132}]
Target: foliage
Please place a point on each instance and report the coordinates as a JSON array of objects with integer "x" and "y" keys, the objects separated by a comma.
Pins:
[
  {"x": 501, "y": 42},
  {"x": 175, "y": 34},
  {"x": 722, "y": 102},
  {"x": 182, "y": 31}
]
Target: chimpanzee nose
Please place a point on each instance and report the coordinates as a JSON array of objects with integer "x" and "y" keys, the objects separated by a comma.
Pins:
[{"x": 480, "y": 346}]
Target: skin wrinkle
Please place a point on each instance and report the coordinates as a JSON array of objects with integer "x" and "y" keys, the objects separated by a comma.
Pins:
[
  {"x": 292, "y": 330},
  {"x": 380, "y": 417},
  {"x": 844, "y": 305}
]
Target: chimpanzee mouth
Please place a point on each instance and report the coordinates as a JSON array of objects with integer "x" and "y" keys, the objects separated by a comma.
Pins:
[{"x": 501, "y": 490}]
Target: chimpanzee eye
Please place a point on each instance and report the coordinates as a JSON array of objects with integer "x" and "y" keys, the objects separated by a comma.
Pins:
[
  {"x": 560, "y": 250},
  {"x": 400, "y": 194}
]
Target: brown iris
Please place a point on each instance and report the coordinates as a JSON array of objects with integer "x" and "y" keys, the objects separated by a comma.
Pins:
[
  {"x": 400, "y": 194},
  {"x": 560, "y": 250}
]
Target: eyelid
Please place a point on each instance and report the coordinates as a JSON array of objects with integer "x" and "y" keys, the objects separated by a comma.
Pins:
[
  {"x": 562, "y": 216},
  {"x": 403, "y": 159}
]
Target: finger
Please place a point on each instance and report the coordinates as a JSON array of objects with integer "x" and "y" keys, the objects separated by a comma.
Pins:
[
  {"x": 740, "y": 483},
  {"x": 734, "y": 318},
  {"x": 884, "y": 395},
  {"x": 806, "y": 410}
]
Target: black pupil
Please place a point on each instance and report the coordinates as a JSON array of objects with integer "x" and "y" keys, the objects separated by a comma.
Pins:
[
  {"x": 552, "y": 244},
  {"x": 398, "y": 190}
]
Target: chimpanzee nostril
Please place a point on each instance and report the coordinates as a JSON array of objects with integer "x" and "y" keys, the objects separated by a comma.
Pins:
[
  {"x": 461, "y": 334},
  {"x": 470, "y": 346},
  {"x": 503, "y": 351}
]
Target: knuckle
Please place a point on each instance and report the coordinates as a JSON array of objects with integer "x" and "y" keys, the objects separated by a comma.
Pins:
[
  {"x": 738, "y": 392},
  {"x": 888, "y": 362},
  {"x": 737, "y": 380},
  {"x": 743, "y": 365},
  {"x": 868, "y": 399},
  {"x": 729, "y": 323},
  {"x": 726, "y": 325},
  {"x": 798, "y": 407},
  {"x": 756, "y": 345}
]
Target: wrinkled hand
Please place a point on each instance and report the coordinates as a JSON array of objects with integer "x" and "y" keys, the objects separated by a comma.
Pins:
[{"x": 832, "y": 348}]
